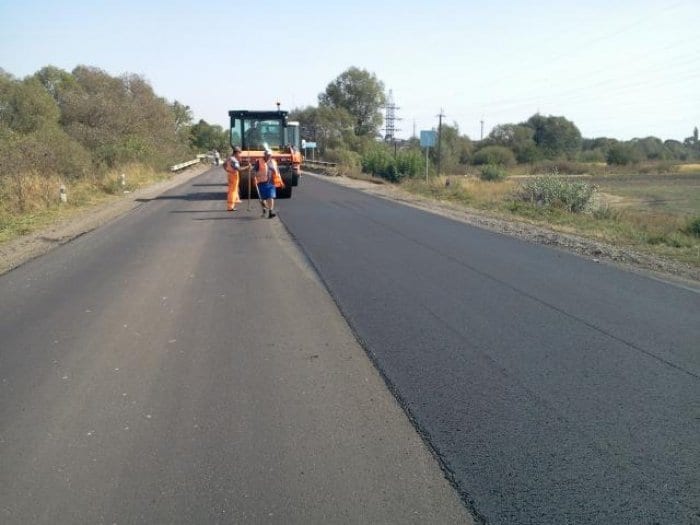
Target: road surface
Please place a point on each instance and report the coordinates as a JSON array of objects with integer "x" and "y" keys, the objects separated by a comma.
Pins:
[
  {"x": 557, "y": 390},
  {"x": 184, "y": 365}
]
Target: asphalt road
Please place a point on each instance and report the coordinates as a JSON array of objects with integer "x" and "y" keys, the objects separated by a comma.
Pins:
[
  {"x": 183, "y": 364},
  {"x": 555, "y": 389}
]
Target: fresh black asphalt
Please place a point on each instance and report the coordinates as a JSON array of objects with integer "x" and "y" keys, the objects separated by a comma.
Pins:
[{"x": 553, "y": 388}]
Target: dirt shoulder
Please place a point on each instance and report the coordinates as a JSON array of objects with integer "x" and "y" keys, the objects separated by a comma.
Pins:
[
  {"x": 17, "y": 251},
  {"x": 597, "y": 251}
]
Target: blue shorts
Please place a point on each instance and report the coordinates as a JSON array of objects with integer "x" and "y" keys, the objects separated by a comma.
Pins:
[{"x": 267, "y": 190}]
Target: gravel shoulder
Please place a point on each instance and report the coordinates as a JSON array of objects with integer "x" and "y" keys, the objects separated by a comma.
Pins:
[
  {"x": 653, "y": 266},
  {"x": 22, "y": 249}
]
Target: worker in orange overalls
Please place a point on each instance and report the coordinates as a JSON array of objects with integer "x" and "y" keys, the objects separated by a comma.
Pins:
[{"x": 233, "y": 168}]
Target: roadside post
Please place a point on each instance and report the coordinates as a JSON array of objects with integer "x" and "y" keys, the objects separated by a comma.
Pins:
[{"x": 427, "y": 140}]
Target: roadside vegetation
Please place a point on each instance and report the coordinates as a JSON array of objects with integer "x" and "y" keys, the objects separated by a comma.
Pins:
[{"x": 81, "y": 130}]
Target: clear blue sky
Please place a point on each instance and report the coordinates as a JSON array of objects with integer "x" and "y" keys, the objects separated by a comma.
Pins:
[{"x": 623, "y": 69}]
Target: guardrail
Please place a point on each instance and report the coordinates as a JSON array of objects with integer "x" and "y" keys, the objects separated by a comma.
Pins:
[
  {"x": 320, "y": 163},
  {"x": 183, "y": 165}
]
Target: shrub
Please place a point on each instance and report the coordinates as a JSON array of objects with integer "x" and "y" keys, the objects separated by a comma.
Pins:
[
  {"x": 554, "y": 192},
  {"x": 379, "y": 161},
  {"x": 555, "y": 167},
  {"x": 492, "y": 172},
  {"x": 622, "y": 154},
  {"x": 593, "y": 155},
  {"x": 693, "y": 227},
  {"x": 348, "y": 159},
  {"x": 410, "y": 163},
  {"x": 494, "y": 155}
]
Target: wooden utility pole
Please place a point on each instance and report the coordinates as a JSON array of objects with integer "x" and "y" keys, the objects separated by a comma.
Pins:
[{"x": 439, "y": 152}]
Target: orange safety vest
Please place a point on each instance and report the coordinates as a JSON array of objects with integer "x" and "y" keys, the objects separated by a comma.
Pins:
[
  {"x": 269, "y": 174},
  {"x": 228, "y": 166}
]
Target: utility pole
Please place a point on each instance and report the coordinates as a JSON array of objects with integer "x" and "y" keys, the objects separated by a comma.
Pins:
[
  {"x": 439, "y": 156},
  {"x": 482, "y": 128}
]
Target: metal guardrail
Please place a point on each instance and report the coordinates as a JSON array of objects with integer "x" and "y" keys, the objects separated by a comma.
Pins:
[
  {"x": 201, "y": 158},
  {"x": 183, "y": 165},
  {"x": 320, "y": 163}
]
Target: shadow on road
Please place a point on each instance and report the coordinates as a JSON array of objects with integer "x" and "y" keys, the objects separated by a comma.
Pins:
[{"x": 193, "y": 196}]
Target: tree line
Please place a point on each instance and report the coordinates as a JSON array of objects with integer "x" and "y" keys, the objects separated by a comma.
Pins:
[
  {"x": 80, "y": 123},
  {"x": 346, "y": 127}
]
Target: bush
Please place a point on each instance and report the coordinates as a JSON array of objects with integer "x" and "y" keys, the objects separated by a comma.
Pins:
[
  {"x": 693, "y": 227},
  {"x": 377, "y": 161},
  {"x": 492, "y": 172},
  {"x": 593, "y": 155},
  {"x": 347, "y": 159},
  {"x": 380, "y": 162},
  {"x": 410, "y": 163},
  {"x": 556, "y": 167},
  {"x": 622, "y": 154},
  {"x": 499, "y": 155},
  {"x": 553, "y": 192}
]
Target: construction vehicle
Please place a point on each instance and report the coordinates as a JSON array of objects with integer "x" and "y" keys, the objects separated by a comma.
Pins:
[{"x": 257, "y": 131}]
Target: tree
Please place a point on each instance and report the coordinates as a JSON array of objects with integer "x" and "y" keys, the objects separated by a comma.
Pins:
[
  {"x": 518, "y": 138},
  {"x": 622, "y": 153},
  {"x": 56, "y": 81},
  {"x": 677, "y": 150},
  {"x": 455, "y": 149},
  {"x": 555, "y": 136},
  {"x": 207, "y": 137},
  {"x": 361, "y": 94},
  {"x": 182, "y": 114},
  {"x": 651, "y": 148},
  {"x": 330, "y": 128},
  {"x": 25, "y": 106}
]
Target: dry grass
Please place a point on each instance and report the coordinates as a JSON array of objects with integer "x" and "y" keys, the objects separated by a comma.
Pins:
[
  {"x": 30, "y": 201},
  {"x": 689, "y": 168},
  {"x": 468, "y": 190}
]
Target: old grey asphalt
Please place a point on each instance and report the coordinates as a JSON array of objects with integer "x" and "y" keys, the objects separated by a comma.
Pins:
[
  {"x": 557, "y": 390},
  {"x": 184, "y": 365}
]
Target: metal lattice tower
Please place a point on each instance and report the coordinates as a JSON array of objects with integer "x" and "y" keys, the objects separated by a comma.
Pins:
[{"x": 390, "y": 117}]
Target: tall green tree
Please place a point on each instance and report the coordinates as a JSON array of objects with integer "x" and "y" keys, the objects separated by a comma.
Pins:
[
  {"x": 361, "y": 94},
  {"x": 208, "y": 137},
  {"x": 651, "y": 148},
  {"x": 554, "y": 136},
  {"x": 329, "y": 127},
  {"x": 519, "y": 138}
]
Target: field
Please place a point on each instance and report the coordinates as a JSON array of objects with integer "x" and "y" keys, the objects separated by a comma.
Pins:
[{"x": 675, "y": 194}]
